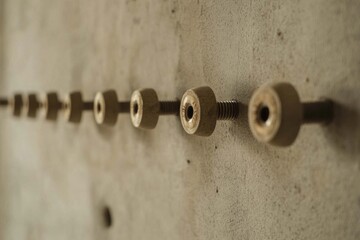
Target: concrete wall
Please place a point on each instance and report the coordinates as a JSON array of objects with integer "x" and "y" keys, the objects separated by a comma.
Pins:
[{"x": 56, "y": 178}]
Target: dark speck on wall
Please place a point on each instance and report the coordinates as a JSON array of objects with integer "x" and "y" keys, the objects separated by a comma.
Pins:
[
  {"x": 107, "y": 217},
  {"x": 280, "y": 34},
  {"x": 136, "y": 20}
]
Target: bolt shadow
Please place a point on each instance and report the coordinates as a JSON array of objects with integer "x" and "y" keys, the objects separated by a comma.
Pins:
[
  {"x": 240, "y": 128},
  {"x": 106, "y": 132},
  {"x": 343, "y": 133},
  {"x": 242, "y": 124}
]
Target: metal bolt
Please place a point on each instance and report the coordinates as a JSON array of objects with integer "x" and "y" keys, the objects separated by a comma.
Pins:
[
  {"x": 276, "y": 113},
  {"x": 199, "y": 111},
  {"x": 74, "y": 105},
  {"x": 31, "y": 105},
  {"x": 51, "y": 105},
  {"x": 145, "y": 108},
  {"x": 17, "y": 104},
  {"x": 107, "y": 107}
]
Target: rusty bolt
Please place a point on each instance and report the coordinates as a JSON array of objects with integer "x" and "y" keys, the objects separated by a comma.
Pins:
[
  {"x": 199, "y": 111},
  {"x": 276, "y": 113},
  {"x": 107, "y": 107},
  {"x": 74, "y": 105},
  {"x": 145, "y": 108}
]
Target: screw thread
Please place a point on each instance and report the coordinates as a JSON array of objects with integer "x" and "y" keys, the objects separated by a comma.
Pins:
[
  {"x": 124, "y": 107},
  {"x": 228, "y": 110},
  {"x": 169, "y": 107}
]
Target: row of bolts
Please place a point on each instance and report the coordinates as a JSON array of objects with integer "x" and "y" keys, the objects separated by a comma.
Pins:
[{"x": 275, "y": 112}]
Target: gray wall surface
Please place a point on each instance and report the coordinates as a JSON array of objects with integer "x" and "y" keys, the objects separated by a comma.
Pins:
[{"x": 56, "y": 178}]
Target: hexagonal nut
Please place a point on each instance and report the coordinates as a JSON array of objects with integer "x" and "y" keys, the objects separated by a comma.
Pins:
[
  {"x": 17, "y": 104},
  {"x": 51, "y": 106},
  {"x": 144, "y": 108},
  {"x": 198, "y": 111},
  {"x": 106, "y": 108},
  {"x": 31, "y": 105},
  {"x": 275, "y": 114},
  {"x": 73, "y": 107}
]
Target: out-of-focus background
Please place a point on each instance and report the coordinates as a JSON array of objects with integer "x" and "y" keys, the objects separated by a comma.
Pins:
[{"x": 63, "y": 181}]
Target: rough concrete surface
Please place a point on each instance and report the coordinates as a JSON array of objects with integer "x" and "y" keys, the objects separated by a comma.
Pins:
[{"x": 56, "y": 178}]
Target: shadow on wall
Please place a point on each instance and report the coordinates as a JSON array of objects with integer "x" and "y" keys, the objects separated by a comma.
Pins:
[
  {"x": 105, "y": 131},
  {"x": 343, "y": 132}
]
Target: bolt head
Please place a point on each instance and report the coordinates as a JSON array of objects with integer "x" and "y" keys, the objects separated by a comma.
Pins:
[
  {"x": 106, "y": 108},
  {"x": 17, "y": 104},
  {"x": 198, "y": 111},
  {"x": 73, "y": 107},
  {"x": 51, "y": 105},
  {"x": 144, "y": 108},
  {"x": 31, "y": 105},
  {"x": 275, "y": 114}
]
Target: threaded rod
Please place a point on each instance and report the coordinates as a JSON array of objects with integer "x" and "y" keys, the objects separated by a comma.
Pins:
[
  {"x": 169, "y": 107},
  {"x": 228, "y": 110},
  {"x": 124, "y": 107},
  {"x": 317, "y": 112},
  {"x": 88, "y": 106}
]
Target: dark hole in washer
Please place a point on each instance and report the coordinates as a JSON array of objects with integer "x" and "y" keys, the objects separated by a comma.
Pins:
[
  {"x": 98, "y": 107},
  {"x": 264, "y": 114},
  {"x": 189, "y": 112},
  {"x": 107, "y": 217},
  {"x": 136, "y": 107}
]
